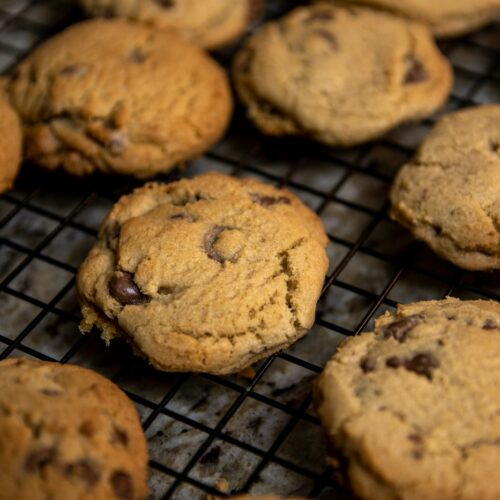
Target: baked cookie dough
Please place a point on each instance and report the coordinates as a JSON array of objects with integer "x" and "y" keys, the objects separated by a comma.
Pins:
[
  {"x": 206, "y": 275},
  {"x": 411, "y": 410},
  {"x": 208, "y": 23},
  {"x": 10, "y": 145},
  {"x": 446, "y": 18},
  {"x": 67, "y": 433},
  {"x": 342, "y": 76},
  {"x": 119, "y": 97},
  {"x": 448, "y": 195}
]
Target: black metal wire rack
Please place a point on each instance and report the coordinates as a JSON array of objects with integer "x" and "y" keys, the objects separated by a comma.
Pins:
[{"x": 253, "y": 432}]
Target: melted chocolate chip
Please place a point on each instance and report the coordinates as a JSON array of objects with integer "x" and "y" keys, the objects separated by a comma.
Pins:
[
  {"x": 489, "y": 324},
  {"x": 367, "y": 364},
  {"x": 399, "y": 329},
  {"x": 72, "y": 70},
  {"x": 51, "y": 392},
  {"x": 123, "y": 289},
  {"x": 268, "y": 201},
  {"x": 330, "y": 38},
  {"x": 394, "y": 362},
  {"x": 38, "y": 459},
  {"x": 165, "y": 3},
  {"x": 415, "y": 71},
  {"x": 121, "y": 482},
  {"x": 209, "y": 241},
  {"x": 85, "y": 470},
  {"x": 119, "y": 436},
  {"x": 422, "y": 364},
  {"x": 137, "y": 56}
]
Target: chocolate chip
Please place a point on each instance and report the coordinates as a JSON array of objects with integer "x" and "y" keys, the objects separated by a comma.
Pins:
[
  {"x": 137, "y": 56},
  {"x": 416, "y": 438},
  {"x": 399, "y": 329},
  {"x": 38, "y": 459},
  {"x": 415, "y": 71},
  {"x": 165, "y": 3},
  {"x": 51, "y": 392},
  {"x": 209, "y": 241},
  {"x": 85, "y": 470},
  {"x": 367, "y": 364},
  {"x": 320, "y": 15},
  {"x": 119, "y": 436},
  {"x": 72, "y": 70},
  {"x": 268, "y": 201},
  {"x": 494, "y": 145},
  {"x": 330, "y": 38},
  {"x": 422, "y": 364},
  {"x": 121, "y": 482},
  {"x": 123, "y": 289},
  {"x": 489, "y": 324},
  {"x": 212, "y": 457},
  {"x": 394, "y": 362}
]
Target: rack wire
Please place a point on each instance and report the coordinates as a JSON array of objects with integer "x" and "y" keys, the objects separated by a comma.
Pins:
[{"x": 253, "y": 432}]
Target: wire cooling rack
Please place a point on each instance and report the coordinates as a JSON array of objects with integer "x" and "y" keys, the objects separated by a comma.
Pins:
[{"x": 253, "y": 432}]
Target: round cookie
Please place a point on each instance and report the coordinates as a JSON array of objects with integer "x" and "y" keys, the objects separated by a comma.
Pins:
[
  {"x": 448, "y": 194},
  {"x": 67, "y": 432},
  {"x": 116, "y": 97},
  {"x": 446, "y": 18},
  {"x": 207, "y": 275},
  {"x": 210, "y": 23},
  {"x": 311, "y": 73},
  {"x": 10, "y": 145},
  {"x": 411, "y": 410}
]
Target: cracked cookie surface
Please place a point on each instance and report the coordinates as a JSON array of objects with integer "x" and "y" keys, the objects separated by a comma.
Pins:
[
  {"x": 446, "y": 18},
  {"x": 208, "y": 23},
  {"x": 312, "y": 74},
  {"x": 411, "y": 410},
  {"x": 116, "y": 97},
  {"x": 448, "y": 194},
  {"x": 209, "y": 274},
  {"x": 10, "y": 145},
  {"x": 67, "y": 432}
]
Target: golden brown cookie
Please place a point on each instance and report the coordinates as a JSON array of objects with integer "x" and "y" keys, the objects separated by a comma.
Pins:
[
  {"x": 117, "y": 97},
  {"x": 209, "y": 274},
  {"x": 208, "y": 23},
  {"x": 446, "y": 18},
  {"x": 67, "y": 433},
  {"x": 448, "y": 194},
  {"x": 411, "y": 410},
  {"x": 10, "y": 145},
  {"x": 342, "y": 76}
]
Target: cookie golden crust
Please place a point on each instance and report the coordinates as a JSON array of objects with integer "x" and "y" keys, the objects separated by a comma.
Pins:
[
  {"x": 411, "y": 410},
  {"x": 10, "y": 145},
  {"x": 446, "y": 18},
  {"x": 208, "y": 23},
  {"x": 208, "y": 275},
  {"x": 116, "y": 97},
  {"x": 67, "y": 432},
  {"x": 448, "y": 194},
  {"x": 311, "y": 73}
]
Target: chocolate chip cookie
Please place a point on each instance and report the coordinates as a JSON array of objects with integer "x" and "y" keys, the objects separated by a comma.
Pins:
[
  {"x": 67, "y": 432},
  {"x": 117, "y": 97},
  {"x": 208, "y": 23},
  {"x": 10, "y": 145},
  {"x": 446, "y": 18},
  {"x": 448, "y": 194},
  {"x": 208, "y": 275},
  {"x": 411, "y": 410},
  {"x": 312, "y": 74}
]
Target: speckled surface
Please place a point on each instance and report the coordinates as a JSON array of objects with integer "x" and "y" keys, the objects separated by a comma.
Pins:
[{"x": 257, "y": 430}]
